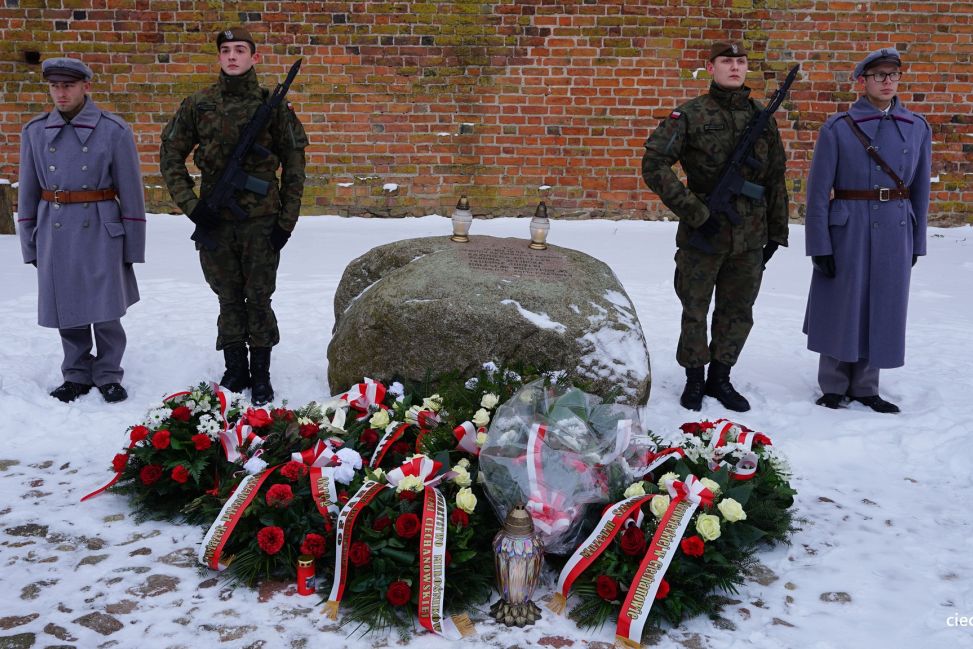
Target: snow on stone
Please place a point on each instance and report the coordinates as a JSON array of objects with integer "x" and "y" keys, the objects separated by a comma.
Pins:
[
  {"x": 389, "y": 187},
  {"x": 346, "y": 184},
  {"x": 541, "y": 320}
]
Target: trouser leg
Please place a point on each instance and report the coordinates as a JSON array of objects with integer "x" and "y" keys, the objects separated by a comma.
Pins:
[
  {"x": 77, "y": 344},
  {"x": 694, "y": 280},
  {"x": 224, "y": 274},
  {"x": 110, "y": 340},
  {"x": 834, "y": 376},
  {"x": 864, "y": 379},
  {"x": 737, "y": 285},
  {"x": 259, "y": 262}
]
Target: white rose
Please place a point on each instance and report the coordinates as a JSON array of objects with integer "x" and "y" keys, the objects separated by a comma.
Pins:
[
  {"x": 481, "y": 418},
  {"x": 378, "y": 475},
  {"x": 658, "y": 505},
  {"x": 489, "y": 401},
  {"x": 465, "y": 500},
  {"x": 711, "y": 485},
  {"x": 666, "y": 479},
  {"x": 379, "y": 420},
  {"x": 464, "y": 463},
  {"x": 732, "y": 510},
  {"x": 708, "y": 526},
  {"x": 462, "y": 477},
  {"x": 635, "y": 489},
  {"x": 409, "y": 483},
  {"x": 434, "y": 403}
]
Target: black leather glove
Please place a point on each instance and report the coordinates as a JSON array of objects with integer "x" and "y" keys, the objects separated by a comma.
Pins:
[
  {"x": 769, "y": 251},
  {"x": 204, "y": 217},
  {"x": 279, "y": 237},
  {"x": 710, "y": 227},
  {"x": 825, "y": 264},
  {"x": 915, "y": 258}
]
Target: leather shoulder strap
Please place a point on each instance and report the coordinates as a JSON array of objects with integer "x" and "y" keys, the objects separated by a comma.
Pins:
[{"x": 870, "y": 150}]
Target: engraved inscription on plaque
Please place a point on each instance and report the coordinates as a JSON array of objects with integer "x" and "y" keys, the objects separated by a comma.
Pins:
[{"x": 512, "y": 258}]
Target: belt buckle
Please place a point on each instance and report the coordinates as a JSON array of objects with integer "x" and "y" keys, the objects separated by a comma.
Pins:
[
  {"x": 57, "y": 201},
  {"x": 883, "y": 194}
]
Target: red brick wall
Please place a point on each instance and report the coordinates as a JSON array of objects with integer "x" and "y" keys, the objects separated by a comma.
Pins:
[{"x": 496, "y": 99}]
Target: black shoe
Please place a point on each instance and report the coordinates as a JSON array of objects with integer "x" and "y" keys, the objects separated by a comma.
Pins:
[
  {"x": 831, "y": 400},
  {"x": 263, "y": 391},
  {"x": 69, "y": 391},
  {"x": 878, "y": 404},
  {"x": 692, "y": 394},
  {"x": 113, "y": 392},
  {"x": 236, "y": 378},
  {"x": 718, "y": 385}
]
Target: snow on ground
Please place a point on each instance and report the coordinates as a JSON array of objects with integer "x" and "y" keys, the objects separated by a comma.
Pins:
[{"x": 883, "y": 558}]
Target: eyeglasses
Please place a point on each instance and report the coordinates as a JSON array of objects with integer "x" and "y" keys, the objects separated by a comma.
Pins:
[{"x": 882, "y": 76}]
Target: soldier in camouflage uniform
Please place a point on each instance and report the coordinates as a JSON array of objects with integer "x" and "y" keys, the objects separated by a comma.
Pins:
[
  {"x": 242, "y": 269},
  {"x": 701, "y": 135}
]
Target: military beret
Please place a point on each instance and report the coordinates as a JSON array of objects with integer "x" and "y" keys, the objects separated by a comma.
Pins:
[
  {"x": 65, "y": 69},
  {"x": 235, "y": 34},
  {"x": 884, "y": 55},
  {"x": 726, "y": 48}
]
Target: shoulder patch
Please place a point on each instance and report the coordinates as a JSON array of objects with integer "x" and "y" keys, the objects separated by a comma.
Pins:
[{"x": 675, "y": 114}]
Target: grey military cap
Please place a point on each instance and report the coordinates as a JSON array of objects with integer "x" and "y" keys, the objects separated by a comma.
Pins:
[
  {"x": 65, "y": 69},
  {"x": 884, "y": 55}
]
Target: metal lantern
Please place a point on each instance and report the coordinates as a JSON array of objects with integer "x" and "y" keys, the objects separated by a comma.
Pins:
[
  {"x": 539, "y": 227},
  {"x": 462, "y": 219},
  {"x": 518, "y": 553}
]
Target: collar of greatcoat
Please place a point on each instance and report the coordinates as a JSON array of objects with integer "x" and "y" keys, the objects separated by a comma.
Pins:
[
  {"x": 83, "y": 123},
  {"x": 869, "y": 118}
]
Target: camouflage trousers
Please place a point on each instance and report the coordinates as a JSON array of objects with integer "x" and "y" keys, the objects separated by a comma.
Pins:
[
  {"x": 736, "y": 280},
  {"x": 242, "y": 271}
]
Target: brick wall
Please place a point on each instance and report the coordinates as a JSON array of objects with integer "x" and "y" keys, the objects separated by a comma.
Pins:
[{"x": 509, "y": 102}]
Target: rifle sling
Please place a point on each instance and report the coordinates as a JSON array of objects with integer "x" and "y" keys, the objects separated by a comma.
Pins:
[{"x": 872, "y": 153}]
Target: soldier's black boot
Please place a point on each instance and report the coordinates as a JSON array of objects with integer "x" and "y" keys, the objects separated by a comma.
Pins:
[
  {"x": 718, "y": 385},
  {"x": 263, "y": 391},
  {"x": 236, "y": 378},
  {"x": 692, "y": 394}
]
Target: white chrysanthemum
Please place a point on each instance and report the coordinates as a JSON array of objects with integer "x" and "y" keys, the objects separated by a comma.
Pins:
[
  {"x": 157, "y": 416},
  {"x": 434, "y": 403}
]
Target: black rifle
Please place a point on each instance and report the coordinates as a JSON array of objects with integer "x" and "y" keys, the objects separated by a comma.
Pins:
[
  {"x": 732, "y": 184},
  {"x": 234, "y": 178}
]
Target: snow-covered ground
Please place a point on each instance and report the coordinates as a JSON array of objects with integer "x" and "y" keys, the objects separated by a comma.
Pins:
[{"x": 883, "y": 559}]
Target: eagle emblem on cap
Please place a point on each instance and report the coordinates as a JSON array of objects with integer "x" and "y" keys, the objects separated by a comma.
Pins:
[
  {"x": 228, "y": 34},
  {"x": 733, "y": 48}
]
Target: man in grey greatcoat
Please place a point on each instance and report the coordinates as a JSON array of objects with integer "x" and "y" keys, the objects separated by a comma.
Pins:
[
  {"x": 866, "y": 227},
  {"x": 81, "y": 220}
]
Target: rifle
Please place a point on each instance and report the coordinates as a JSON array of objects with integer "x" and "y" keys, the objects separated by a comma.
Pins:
[
  {"x": 732, "y": 184},
  {"x": 234, "y": 178}
]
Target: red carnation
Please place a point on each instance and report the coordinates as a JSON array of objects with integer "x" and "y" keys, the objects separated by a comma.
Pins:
[
  {"x": 459, "y": 517},
  {"x": 401, "y": 447},
  {"x": 280, "y": 495},
  {"x": 663, "y": 591},
  {"x": 632, "y": 542},
  {"x": 139, "y": 433},
  {"x": 282, "y": 414},
  {"x": 607, "y": 588},
  {"x": 270, "y": 539},
  {"x": 691, "y": 428},
  {"x": 408, "y": 495},
  {"x": 381, "y": 523},
  {"x": 399, "y": 593},
  {"x": 150, "y": 474},
  {"x": 181, "y": 413},
  {"x": 119, "y": 462},
  {"x": 315, "y": 545},
  {"x": 359, "y": 554},
  {"x": 407, "y": 525},
  {"x": 308, "y": 430},
  {"x": 293, "y": 470},
  {"x": 202, "y": 442},
  {"x": 180, "y": 474},
  {"x": 692, "y": 546},
  {"x": 160, "y": 439},
  {"x": 258, "y": 418}
]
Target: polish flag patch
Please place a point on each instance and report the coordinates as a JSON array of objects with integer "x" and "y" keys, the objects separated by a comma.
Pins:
[{"x": 675, "y": 114}]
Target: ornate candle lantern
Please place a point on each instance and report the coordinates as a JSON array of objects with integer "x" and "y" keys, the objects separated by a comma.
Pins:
[
  {"x": 305, "y": 575},
  {"x": 518, "y": 553},
  {"x": 539, "y": 227},
  {"x": 462, "y": 219}
]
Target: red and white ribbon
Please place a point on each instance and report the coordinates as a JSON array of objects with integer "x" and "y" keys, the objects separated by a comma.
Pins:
[
  {"x": 390, "y": 437},
  {"x": 323, "y": 489},
  {"x": 343, "y": 529},
  {"x": 239, "y": 437},
  {"x": 364, "y": 396},
  {"x": 727, "y": 432},
  {"x": 655, "y": 460},
  {"x": 548, "y": 508},
  {"x": 465, "y": 435},
  {"x": 432, "y": 571}
]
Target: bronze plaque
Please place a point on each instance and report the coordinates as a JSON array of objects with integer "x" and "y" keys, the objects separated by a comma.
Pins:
[{"x": 512, "y": 258}]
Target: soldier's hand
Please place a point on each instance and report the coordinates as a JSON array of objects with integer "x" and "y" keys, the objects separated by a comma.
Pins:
[
  {"x": 769, "y": 251},
  {"x": 825, "y": 264},
  {"x": 203, "y": 216},
  {"x": 279, "y": 237},
  {"x": 710, "y": 227}
]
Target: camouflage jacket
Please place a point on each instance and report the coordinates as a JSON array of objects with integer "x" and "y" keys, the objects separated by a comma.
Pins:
[
  {"x": 210, "y": 122},
  {"x": 701, "y": 135}
]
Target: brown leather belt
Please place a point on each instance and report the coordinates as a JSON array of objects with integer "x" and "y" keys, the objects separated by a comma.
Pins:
[
  {"x": 884, "y": 194},
  {"x": 61, "y": 196}
]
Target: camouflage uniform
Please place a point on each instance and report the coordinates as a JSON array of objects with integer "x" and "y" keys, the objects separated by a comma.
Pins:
[
  {"x": 701, "y": 135},
  {"x": 242, "y": 270}
]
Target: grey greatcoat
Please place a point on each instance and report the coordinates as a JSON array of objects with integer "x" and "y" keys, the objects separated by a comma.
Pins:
[
  {"x": 861, "y": 312},
  {"x": 84, "y": 251}
]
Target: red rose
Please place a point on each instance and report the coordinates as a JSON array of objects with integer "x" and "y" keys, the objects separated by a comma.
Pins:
[
  {"x": 282, "y": 414},
  {"x": 258, "y": 418},
  {"x": 270, "y": 539},
  {"x": 202, "y": 442},
  {"x": 401, "y": 447},
  {"x": 607, "y": 588},
  {"x": 160, "y": 439},
  {"x": 663, "y": 591},
  {"x": 280, "y": 495},
  {"x": 368, "y": 438},
  {"x": 691, "y": 428},
  {"x": 459, "y": 517},
  {"x": 139, "y": 433},
  {"x": 181, "y": 413},
  {"x": 408, "y": 496},
  {"x": 180, "y": 474},
  {"x": 293, "y": 470},
  {"x": 407, "y": 525},
  {"x": 692, "y": 546},
  {"x": 359, "y": 554},
  {"x": 150, "y": 474},
  {"x": 399, "y": 593},
  {"x": 381, "y": 523},
  {"x": 632, "y": 542},
  {"x": 119, "y": 462},
  {"x": 308, "y": 430},
  {"x": 315, "y": 545}
]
